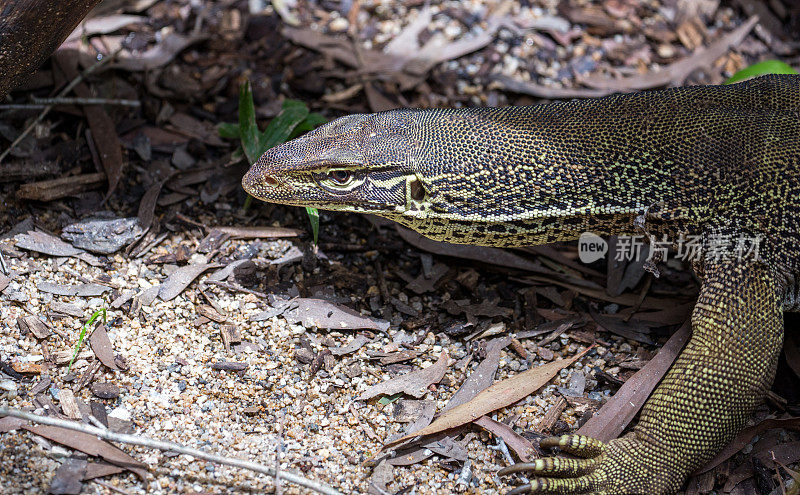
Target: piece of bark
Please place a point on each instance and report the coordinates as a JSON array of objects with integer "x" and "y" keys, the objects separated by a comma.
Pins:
[
  {"x": 49, "y": 190},
  {"x": 230, "y": 335},
  {"x": 31, "y": 30},
  {"x": 69, "y": 406},
  {"x": 552, "y": 415},
  {"x": 32, "y": 324}
]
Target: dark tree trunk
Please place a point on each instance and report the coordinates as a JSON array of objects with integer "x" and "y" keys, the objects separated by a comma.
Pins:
[{"x": 30, "y": 30}]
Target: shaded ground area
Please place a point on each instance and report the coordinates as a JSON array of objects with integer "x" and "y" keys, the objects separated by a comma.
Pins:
[{"x": 228, "y": 331}]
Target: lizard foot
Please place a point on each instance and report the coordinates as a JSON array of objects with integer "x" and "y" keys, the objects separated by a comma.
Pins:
[{"x": 621, "y": 466}]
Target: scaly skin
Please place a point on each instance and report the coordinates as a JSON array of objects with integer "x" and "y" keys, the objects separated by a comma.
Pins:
[{"x": 716, "y": 162}]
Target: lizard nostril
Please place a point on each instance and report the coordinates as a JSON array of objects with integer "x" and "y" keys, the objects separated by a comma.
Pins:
[{"x": 270, "y": 181}]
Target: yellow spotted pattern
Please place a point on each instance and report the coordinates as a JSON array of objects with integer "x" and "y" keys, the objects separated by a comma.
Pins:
[{"x": 704, "y": 161}]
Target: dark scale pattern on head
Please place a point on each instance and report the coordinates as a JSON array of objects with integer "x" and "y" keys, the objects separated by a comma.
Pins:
[{"x": 704, "y": 161}]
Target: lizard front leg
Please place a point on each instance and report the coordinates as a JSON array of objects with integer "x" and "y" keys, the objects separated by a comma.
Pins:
[{"x": 702, "y": 402}]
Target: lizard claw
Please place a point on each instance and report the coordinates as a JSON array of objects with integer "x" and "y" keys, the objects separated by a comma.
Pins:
[{"x": 614, "y": 468}]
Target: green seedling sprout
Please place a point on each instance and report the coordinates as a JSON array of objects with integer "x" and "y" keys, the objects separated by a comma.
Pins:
[
  {"x": 84, "y": 331},
  {"x": 293, "y": 120}
]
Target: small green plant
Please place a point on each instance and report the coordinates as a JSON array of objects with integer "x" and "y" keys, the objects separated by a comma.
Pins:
[
  {"x": 294, "y": 119},
  {"x": 84, "y": 331},
  {"x": 760, "y": 69}
]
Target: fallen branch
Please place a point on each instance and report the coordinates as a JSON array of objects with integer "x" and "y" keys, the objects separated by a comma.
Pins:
[{"x": 167, "y": 447}]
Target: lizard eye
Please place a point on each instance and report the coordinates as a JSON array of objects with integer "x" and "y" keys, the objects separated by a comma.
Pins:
[{"x": 340, "y": 177}]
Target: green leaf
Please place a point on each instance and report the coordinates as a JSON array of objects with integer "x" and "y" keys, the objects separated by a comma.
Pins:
[
  {"x": 311, "y": 122},
  {"x": 247, "y": 123},
  {"x": 313, "y": 217},
  {"x": 761, "y": 68},
  {"x": 228, "y": 130},
  {"x": 388, "y": 399},
  {"x": 84, "y": 331},
  {"x": 278, "y": 131}
]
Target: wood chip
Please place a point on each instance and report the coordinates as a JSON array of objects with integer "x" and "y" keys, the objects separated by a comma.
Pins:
[
  {"x": 230, "y": 335},
  {"x": 34, "y": 325},
  {"x": 69, "y": 405},
  {"x": 105, "y": 390}
]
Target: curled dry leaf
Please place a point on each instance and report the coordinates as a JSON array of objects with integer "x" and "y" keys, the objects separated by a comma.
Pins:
[{"x": 414, "y": 384}]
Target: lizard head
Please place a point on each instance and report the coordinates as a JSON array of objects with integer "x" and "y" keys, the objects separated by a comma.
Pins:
[
  {"x": 357, "y": 163},
  {"x": 475, "y": 176}
]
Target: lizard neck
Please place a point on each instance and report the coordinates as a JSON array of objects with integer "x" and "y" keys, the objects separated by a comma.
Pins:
[{"x": 532, "y": 175}]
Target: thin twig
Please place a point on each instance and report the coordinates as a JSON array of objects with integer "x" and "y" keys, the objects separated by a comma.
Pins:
[
  {"x": 61, "y": 93},
  {"x": 236, "y": 288},
  {"x": 167, "y": 447},
  {"x": 45, "y": 102}
]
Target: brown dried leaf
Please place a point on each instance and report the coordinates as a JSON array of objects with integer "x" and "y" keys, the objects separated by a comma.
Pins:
[
  {"x": 104, "y": 25},
  {"x": 785, "y": 453},
  {"x": 102, "y": 348},
  {"x": 49, "y": 190},
  {"x": 180, "y": 279},
  {"x": 415, "y": 383},
  {"x": 79, "y": 290},
  {"x": 152, "y": 58},
  {"x": 354, "y": 345},
  {"x": 68, "y": 479},
  {"x": 492, "y": 256},
  {"x": 45, "y": 244},
  {"x": 91, "y": 445},
  {"x": 745, "y": 436},
  {"x": 516, "y": 442},
  {"x": 499, "y": 395},
  {"x": 482, "y": 377},
  {"x": 615, "y": 415},
  {"x": 323, "y": 314}
]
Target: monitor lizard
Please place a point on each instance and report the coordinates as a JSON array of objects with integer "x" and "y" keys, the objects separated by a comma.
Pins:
[{"x": 720, "y": 163}]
